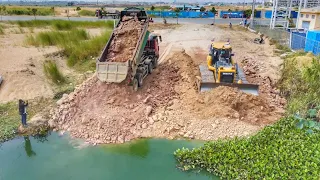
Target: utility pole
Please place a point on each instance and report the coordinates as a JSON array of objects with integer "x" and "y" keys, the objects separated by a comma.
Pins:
[
  {"x": 297, "y": 23},
  {"x": 252, "y": 14}
]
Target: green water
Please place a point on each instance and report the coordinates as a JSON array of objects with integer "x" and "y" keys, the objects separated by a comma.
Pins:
[{"x": 59, "y": 158}]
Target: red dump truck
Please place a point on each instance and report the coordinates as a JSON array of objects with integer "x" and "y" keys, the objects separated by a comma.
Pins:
[{"x": 140, "y": 64}]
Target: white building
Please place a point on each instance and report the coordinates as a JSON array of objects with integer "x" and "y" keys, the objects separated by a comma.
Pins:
[{"x": 309, "y": 19}]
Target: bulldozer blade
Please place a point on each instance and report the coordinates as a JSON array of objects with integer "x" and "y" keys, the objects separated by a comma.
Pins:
[{"x": 247, "y": 88}]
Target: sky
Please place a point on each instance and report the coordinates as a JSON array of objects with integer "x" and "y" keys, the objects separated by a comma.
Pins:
[{"x": 190, "y": 1}]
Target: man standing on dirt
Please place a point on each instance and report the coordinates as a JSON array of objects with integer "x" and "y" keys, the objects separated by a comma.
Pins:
[{"x": 23, "y": 111}]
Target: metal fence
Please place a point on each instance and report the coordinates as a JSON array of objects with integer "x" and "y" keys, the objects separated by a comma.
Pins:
[
  {"x": 282, "y": 36},
  {"x": 292, "y": 39}
]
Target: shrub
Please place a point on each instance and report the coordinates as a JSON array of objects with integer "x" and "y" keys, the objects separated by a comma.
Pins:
[
  {"x": 52, "y": 72},
  {"x": 300, "y": 83},
  {"x": 28, "y": 11},
  {"x": 1, "y": 30},
  {"x": 78, "y": 9},
  {"x": 87, "y": 13}
]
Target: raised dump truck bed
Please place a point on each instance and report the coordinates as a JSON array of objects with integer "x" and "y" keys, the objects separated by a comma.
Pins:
[{"x": 132, "y": 63}]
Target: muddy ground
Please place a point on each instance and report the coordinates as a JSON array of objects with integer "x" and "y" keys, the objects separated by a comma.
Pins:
[{"x": 169, "y": 104}]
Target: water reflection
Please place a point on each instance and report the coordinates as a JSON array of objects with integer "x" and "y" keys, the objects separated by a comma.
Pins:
[
  {"x": 140, "y": 148},
  {"x": 28, "y": 147}
]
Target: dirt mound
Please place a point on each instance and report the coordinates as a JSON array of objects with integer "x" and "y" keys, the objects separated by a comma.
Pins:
[
  {"x": 113, "y": 113},
  {"x": 230, "y": 102},
  {"x": 125, "y": 40},
  {"x": 267, "y": 85}
]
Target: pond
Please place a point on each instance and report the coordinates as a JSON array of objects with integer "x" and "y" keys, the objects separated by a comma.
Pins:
[{"x": 59, "y": 157}]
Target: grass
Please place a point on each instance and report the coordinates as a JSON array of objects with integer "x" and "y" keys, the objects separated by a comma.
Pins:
[
  {"x": 87, "y": 13},
  {"x": 53, "y": 73},
  {"x": 300, "y": 82},
  {"x": 82, "y": 54},
  {"x": 41, "y": 11},
  {"x": 1, "y": 30},
  {"x": 64, "y": 24},
  {"x": 57, "y": 38},
  {"x": 76, "y": 45},
  {"x": 10, "y": 118}
]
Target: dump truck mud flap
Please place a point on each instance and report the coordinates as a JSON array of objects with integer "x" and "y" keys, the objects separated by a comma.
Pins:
[
  {"x": 112, "y": 71},
  {"x": 247, "y": 88}
]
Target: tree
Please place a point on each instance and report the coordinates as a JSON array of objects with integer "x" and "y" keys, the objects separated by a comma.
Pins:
[
  {"x": 34, "y": 12},
  {"x": 78, "y": 9},
  {"x": 2, "y": 11},
  {"x": 177, "y": 11},
  {"x": 68, "y": 14},
  {"x": 202, "y": 9},
  {"x": 53, "y": 12},
  {"x": 248, "y": 12},
  {"x": 214, "y": 11},
  {"x": 152, "y": 8}
]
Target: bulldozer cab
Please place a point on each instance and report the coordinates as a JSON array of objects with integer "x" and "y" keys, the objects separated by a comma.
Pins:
[{"x": 220, "y": 51}]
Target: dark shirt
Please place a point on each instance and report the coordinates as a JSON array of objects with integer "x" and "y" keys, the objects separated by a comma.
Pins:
[{"x": 22, "y": 107}]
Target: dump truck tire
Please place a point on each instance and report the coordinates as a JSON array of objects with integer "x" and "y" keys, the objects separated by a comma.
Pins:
[
  {"x": 150, "y": 68},
  {"x": 155, "y": 62},
  {"x": 135, "y": 84},
  {"x": 140, "y": 79}
]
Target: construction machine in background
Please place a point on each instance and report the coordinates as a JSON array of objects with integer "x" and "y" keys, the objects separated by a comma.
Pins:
[
  {"x": 144, "y": 60},
  {"x": 221, "y": 70}
]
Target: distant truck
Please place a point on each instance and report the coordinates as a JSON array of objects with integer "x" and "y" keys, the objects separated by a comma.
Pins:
[
  {"x": 106, "y": 13},
  {"x": 144, "y": 60}
]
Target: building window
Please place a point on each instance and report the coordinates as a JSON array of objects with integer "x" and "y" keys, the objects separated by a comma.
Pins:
[
  {"x": 313, "y": 16},
  {"x": 301, "y": 15},
  {"x": 307, "y": 15}
]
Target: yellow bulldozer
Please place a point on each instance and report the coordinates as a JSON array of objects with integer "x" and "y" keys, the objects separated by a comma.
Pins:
[{"x": 221, "y": 70}]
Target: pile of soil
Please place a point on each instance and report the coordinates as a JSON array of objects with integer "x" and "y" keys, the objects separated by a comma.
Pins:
[
  {"x": 168, "y": 106},
  {"x": 267, "y": 86},
  {"x": 125, "y": 40},
  {"x": 114, "y": 113}
]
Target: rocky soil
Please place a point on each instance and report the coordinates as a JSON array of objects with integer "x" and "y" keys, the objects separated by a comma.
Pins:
[
  {"x": 169, "y": 105},
  {"x": 124, "y": 43}
]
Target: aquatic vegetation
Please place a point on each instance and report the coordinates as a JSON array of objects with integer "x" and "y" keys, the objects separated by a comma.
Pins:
[{"x": 280, "y": 151}]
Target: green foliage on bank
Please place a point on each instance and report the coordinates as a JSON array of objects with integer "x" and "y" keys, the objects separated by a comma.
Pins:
[
  {"x": 288, "y": 149},
  {"x": 300, "y": 82},
  {"x": 281, "y": 151},
  {"x": 10, "y": 118}
]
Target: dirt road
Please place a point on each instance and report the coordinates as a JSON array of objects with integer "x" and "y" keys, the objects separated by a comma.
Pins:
[{"x": 169, "y": 104}]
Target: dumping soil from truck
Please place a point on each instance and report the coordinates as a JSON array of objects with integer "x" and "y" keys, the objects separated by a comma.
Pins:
[
  {"x": 125, "y": 40},
  {"x": 168, "y": 105}
]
